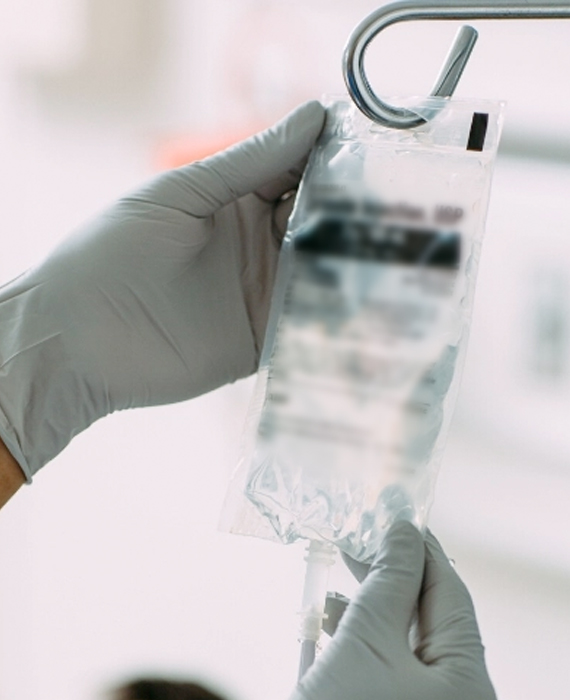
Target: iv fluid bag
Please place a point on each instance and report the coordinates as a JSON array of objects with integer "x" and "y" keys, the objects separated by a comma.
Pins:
[{"x": 367, "y": 330}]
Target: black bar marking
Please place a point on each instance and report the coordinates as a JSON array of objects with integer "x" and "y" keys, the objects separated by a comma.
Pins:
[{"x": 478, "y": 131}]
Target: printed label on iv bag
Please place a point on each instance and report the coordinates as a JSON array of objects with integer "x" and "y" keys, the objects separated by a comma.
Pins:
[{"x": 361, "y": 362}]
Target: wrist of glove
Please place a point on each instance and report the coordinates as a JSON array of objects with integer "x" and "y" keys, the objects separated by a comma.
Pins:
[
  {"x": 409, "y": 634},
  {"x": 161, "y": 298}
]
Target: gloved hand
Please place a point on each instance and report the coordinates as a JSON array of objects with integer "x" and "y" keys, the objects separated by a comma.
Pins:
[
  {"x": 370, "y": 657},
  {"x": 162, "y": 297}
]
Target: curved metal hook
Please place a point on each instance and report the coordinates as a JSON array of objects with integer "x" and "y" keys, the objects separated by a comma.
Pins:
[{"x": 398, "y": 117}]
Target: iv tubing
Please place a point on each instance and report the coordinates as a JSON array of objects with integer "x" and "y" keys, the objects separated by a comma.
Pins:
[{"x": 320, "y": 557}]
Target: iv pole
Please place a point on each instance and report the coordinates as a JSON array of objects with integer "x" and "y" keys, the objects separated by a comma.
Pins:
[{"x": 355, "y": 77}]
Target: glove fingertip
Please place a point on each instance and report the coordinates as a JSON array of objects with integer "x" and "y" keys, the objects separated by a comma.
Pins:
[
  {"x": 310, "y": 114},
  {"x": 435, "y": 551},
  {"x": 402, "y": 536}
]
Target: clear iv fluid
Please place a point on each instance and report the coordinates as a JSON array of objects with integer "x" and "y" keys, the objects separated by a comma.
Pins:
[{"x": 358, "y": 370}]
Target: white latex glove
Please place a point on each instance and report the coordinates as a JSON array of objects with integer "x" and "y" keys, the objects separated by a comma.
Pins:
[
  {"x": 370, "y": 657},
  {"x": 162, "y": 297}
]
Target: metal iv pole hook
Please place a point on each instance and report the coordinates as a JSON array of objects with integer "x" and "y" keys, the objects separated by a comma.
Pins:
[{"x": 398, "y": 117}]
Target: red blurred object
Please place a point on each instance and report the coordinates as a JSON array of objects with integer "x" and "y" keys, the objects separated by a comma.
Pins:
[{"x": 176, "y": 151}]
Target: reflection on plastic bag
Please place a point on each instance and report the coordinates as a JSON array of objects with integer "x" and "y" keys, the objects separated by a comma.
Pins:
[{"x": 368, "y": 321}]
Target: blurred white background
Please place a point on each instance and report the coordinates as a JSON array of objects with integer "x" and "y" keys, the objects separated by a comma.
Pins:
[{"x": 110, "y": 564}]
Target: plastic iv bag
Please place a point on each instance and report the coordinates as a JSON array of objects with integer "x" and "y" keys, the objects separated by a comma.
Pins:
[{"x": 367, "y": 329}]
